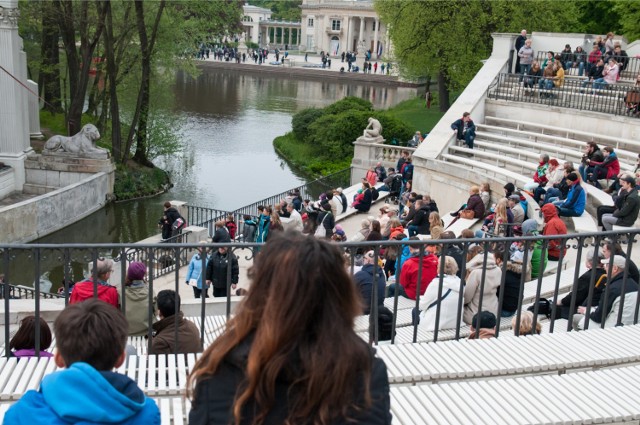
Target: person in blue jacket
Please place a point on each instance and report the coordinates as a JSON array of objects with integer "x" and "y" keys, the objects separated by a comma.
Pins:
[
  {"x": 465, "y": 129},
  {"x": 91, "y": 338},
  {"x": 576, "y": 200},
  {"x": 194, "y": 271}
]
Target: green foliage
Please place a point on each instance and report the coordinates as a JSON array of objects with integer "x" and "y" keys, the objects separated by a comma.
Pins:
[
  {"x": 288, "y": 10},
  {"x": 450, "y": 39},
  {"x": 301, "y": 121},
  {"x": 133, "y": 181},
  {"x": 349, "y": 103},
  {"x": 307, "y": 158},
  {"x": 601, "y": 16},
  {"x": 252, "y": 45},
  {"x": 334, "y": 134},
  {"x": 629, "y": 18}
]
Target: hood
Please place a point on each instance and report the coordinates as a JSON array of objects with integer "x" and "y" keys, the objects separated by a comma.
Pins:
[
  {"x": 137, "y": 292},
  {"x": 98, "y": 397},
  {"x": 515, "y": 267},
  {"x": 397, "y": 229},
  {"x": 476, "y": 262},
  {"x": 368, "y": 268},
  {"x": 530, "y": 227},
  {"x": 449, "y": 282},
  {"x": 549, "y": 211}
]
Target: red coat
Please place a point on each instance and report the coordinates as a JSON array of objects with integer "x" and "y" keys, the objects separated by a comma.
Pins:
[
  {"x": 553, "y": 225},
  {"x": 409, "y": 273},
  {"x": 84, "y": 290}
]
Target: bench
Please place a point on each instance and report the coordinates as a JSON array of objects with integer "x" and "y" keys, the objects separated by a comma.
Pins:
[
  {"x": 404, "y": 335},
  {"x": 545, "y": 143},
  {"x": 350, "y": 193},
  {"x": 585, "y": 136},
  {"x": 481, "y": 359},
  {"x": 584, "y": 224},
  {"x": 173, "y": 410},
  {"x": 590, "y": 397}
]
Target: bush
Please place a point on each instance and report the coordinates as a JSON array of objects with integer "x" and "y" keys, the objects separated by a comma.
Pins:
[
  {"x": 348, "y": 104},
  {"x": 301, "y": 121}
]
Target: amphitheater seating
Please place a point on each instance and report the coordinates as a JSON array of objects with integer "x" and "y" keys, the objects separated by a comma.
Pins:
[
  {"x": 577, "y": 398},
  {"x": 506, "y": 355}
]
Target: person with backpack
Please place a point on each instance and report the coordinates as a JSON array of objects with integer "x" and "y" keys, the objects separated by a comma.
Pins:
[
  {"x": 170, "y": 217},
  {"x": 407, "y": 170}
]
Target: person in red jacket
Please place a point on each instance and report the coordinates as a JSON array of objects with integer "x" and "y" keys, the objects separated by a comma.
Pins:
[
  {"x": 553, "y": 225},
  {"x": 107, "y": 293},
  {"x": 607, "y": 169},
  {"x": 411, "y": 268}
]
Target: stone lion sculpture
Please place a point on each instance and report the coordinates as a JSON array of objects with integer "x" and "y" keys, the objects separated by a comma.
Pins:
[{"x": 83, "y": 142}]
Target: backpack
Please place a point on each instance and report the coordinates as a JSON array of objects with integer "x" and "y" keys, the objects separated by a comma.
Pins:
[
  {"x": 374, "y": 193},
  {"x": 407, "y": 173},
  {"x": 178, "y": 224},
  {"x": 396, "y": 184}
]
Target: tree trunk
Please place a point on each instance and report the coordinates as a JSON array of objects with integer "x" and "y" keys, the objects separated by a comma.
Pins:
[
  {"x": 141, "y": 115},
  {"x": 78, "y": 66},
  {"x": 112, "y": 73},
  {"x": 443, "y": 92},
  {"x": 49, "y": 76}
]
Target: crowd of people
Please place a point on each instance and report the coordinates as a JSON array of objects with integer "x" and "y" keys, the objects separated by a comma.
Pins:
[{"x": 600, "y": 67}]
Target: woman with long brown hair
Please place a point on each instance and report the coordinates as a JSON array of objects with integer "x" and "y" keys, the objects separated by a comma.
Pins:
[{"x": 290, "y": 354}]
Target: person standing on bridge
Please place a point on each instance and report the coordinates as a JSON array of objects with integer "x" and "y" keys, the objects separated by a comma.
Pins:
[{"x": 218, "y": 271}]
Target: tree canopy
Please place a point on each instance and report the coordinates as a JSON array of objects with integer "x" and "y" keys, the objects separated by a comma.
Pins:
[
  {"x": 288, "y": 10},
  {"x": 448, "y": 40}
]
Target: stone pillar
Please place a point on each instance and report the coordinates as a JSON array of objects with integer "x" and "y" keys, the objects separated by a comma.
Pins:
[
  {"x": 375, "y": 38},
  {"x": 361, "y": 48},
  {"x": 290, "y": 29},
  {"x": 34, "y": 112},
  {"x": 349, "y": 35},
  {"x": 14, "y": 112}
]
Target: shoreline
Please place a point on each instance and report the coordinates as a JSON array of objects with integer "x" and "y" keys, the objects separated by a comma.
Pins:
[{"x": 310, "y": 73}]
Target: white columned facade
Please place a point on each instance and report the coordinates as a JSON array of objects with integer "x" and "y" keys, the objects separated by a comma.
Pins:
[
  {"x": 14, "y": 109},
  {"x": 349, "y": 34}
]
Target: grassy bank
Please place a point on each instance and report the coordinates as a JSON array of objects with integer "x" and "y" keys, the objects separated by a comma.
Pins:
[
  {"x": 131, "y": 180},
  {"x": 307, "y": 158},
  {"x": 314, "y": 160}
]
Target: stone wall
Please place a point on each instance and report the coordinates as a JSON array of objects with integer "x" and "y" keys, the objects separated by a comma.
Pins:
[{"x": 39, "y": 216}]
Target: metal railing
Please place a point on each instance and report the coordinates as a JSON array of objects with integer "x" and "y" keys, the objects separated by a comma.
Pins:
[
  {"x": 161, "y": 259},
  {"x": 515, "y": 293},
  {"x": 583, "y": 95},
  {"x": 630, "y": 71},
  {"x": 206, "y": 217},
  {"x": 26, "y": 292}
]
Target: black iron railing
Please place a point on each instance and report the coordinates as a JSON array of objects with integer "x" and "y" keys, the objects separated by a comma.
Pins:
[
  {"x": 631, "y": 70},
  {"x": 567, "y": 290},
  {"x": 206, "y": 217},
  {"x": 576, "y": 94}
]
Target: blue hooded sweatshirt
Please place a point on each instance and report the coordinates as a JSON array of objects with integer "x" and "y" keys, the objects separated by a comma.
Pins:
[{"x": 84, "y": 395}]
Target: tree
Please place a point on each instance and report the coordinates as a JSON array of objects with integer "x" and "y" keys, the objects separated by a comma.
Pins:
[
  {"x": 629, "y": 13},
  {"x": 89, "y": 28},
  {"x": 288, "y": 10},
  {"x": 49, "y": 76},
  {"x": 449, "y": 39}
]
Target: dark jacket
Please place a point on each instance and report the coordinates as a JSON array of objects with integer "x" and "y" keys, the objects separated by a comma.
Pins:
[
  {"x": 249, "y": 231},
  {"x": 457, "y": 254},
  {"x": 170, "y": 215},
  {"x": 458, "y": 125},
  {"x": 164, "y": 342},
  {"x": 567, "y": 56},
  {"x": 628, "y": 212},
  {"x": 344, "y": 202},
  {"x": 214, "y": 395},
  {"x": 365, "y": 204},
  {"x": 615, "y": 290},
  {"x": 217, "y": 269},
  {"x": 364, "y": 282},
  {"x": 582, "y": 288},
  {"x": 596, "y": 72},
  {"x": 221, "y": 235},
  {"x": 475, "y": 204},
  {"x": 328, "y": 223},
  {"x": 512, "y": 280},
  {"x": 421, "y": 220}
]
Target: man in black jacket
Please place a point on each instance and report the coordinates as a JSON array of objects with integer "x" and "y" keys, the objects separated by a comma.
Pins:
[
  {"x": 365, "y": 282},
  {"x": 627, "y": 214},
  {"x": 217, "y": 270},
  {"x": 166, "y": 222},
  {"x": 614, "y": 289}
]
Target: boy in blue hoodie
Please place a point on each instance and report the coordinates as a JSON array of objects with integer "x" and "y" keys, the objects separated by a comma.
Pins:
[{"x": 91, "y": 338}]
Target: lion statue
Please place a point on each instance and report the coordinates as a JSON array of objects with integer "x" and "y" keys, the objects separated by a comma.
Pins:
[{"x": 83, "y": 142}]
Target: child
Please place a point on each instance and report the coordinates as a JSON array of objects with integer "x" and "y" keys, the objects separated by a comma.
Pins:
[
  {"x": 23, "y": 342},
  {"x": 91, "y": 338},
  {"x": 231, "y": 226}
]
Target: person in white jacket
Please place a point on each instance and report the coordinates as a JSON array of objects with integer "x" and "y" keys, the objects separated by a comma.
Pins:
[
  {"x": 493, "y": 276},
  {"x": 449, "y": 298}
]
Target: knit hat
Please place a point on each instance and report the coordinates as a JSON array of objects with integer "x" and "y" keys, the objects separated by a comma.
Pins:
[
  {"x": 486, "y": 318},
  {"x": 529, "y": 227},
  {"x": 136, "y": 271}
]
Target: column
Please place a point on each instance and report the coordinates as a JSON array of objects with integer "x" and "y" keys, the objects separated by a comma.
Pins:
[
  {"x": 375, "y": 38},
  {"x": 290, "y": 29},
  {"x": 347, "y": 47},
  {"x": 361, "y": 48}
]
